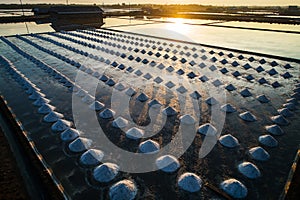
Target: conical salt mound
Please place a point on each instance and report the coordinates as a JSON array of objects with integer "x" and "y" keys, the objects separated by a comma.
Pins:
[
  {"x": 120, "y": 122},
  {"x": 142, "y": 97},
  {"x": 149, "y": 146},
  {"x": 154, "y": 102},
  {"x": 290, "y": 106},
  {"x": 207, "y": 129},
  {"x": 268, "y": 141},
  {"x": 195, "y": 95},
  {"x": 88, "y": 99},
  {"x": 167, "y": 163},
  {"x": 69, "y": 135},
  {"x": 285, "y": 112},
  {"x": 106, "y": 172},
  {"x": 274, "y": 130},
  {"x": 107, "y": 113},
  {"x": 130, "y": 92},
  {"x": 262, "y": 99},
  {"x": 187, "y": 119},
  {"x": 211, "y": 101},
  {"x": 45, "y": 109},
  {"x": 280, "y": 120},
  {"x": 229, "y": 141},
  {"x": 61, "y": 125},
  {"x": 80, "y": 145},
  {"x": 91, "y": 157},
  {"x": 53, "y": 117},
  {"x": 134, "y": 133},
  {"x": 246, "y": 93},
  {"x": 120, "y": 87},
  {"x": 292, "y": 100},
  {"x": 247, "y": 116},
  {"x": 35, "y": 95},
  {"x": 258, "y": 153},
  {"x": 123, "y": 190},
  {"x": 96, "y": 105},
  {"x": 81, "y": 93},
  {"x": 230, "y": 87},
  {"x": 228, "y": 108},
  {"x": 32, "y": 89},
  {"x": 190, "y": 182},
  {"x": 249, "y": 170},
  {"x": 169, "y": 111},
  {"x": 234, "y": 188}
]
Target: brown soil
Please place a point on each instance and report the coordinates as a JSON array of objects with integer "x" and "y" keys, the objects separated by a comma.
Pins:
[{"x": 11, "y": 183}]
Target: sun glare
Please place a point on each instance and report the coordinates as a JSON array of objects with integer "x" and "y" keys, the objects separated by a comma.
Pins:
[{"x": 178, "y": 25}]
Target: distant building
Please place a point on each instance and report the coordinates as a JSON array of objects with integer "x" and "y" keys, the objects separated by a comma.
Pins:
[{"x": 73, "y": 17}]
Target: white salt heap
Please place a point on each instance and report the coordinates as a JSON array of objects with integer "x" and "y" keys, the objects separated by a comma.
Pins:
[
  {"x": 228, "y": 141},
  {"x": 120, "y": 122},
  {"x": 80, "y": 145},
  {"x": 69, "y": 134},
  {"x": 280, "y": 120},
  {"x": 106, "y": 172},
  {"x": 234, "y": 188},
  {"x": 149, "y": 146},
  {"x": 249, "y": 170},
  {"x": 167, "y": 163},
  {"x": 268, "y": 140},
  {"x": 123, "y": 190},
  {"x": 207, "y": 129},
  {"x": 53, "y": 117},
  {"x": 190, "y": 182},
  {"x": 169, "y": 111},
  {"x": 247, "y": 116},
  {"x": 45, "y": 109},
  {"x": 228, "y": 108},
  {"x": 61, "y": 125},
  {"x": 187, "y": 120},
  {"x": 91, "y": 157},
  {"x": 134, "y": 133},
  {"x": 258, "y": 153},
  {"x": 274, "y": 130},
  {"x": 107, "y": 113},
  {"x": 96, "y": 105}
]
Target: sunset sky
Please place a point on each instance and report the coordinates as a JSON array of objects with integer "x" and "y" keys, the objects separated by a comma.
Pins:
[{"x": 204, "y": 2}]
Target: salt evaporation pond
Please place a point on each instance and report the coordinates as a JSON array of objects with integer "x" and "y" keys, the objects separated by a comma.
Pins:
[{"x": 153, "y": 76}]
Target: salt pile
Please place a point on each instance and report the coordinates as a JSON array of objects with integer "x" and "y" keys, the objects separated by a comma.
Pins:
[
  {"x": 228, "y": 108},
  {"x": 229, "y": 141},
  {"x": 123, "y": 190},
  {"x": 207, "y": 129},
  {"x": 96, "y": 105},
  {"x": 61, "y": 125},
  {"x": 169, "y": 111},
  {"x": 80, "y": 145},
  {"x": 120, "y": 122},
  {"x": 41, "y": 101},
  {"x": 190, "y": 182},
  {"x": 187, "y": 119},
  {"x": 274, "y": 130},
  {"x": 262, "y": 98},
  {"x": 45, "y": 109},
  {"x": 246, "y": 93},
  {"x": 106, "y": 172},
  {"x": 249, "y": 170},
  {"x": 134, "y": 133},
  {"x": 280, "y": 120},
  {"x": 142, "y": 97},
  {"x": 258, "y": 153},
  {"x": 149, "y": 146},
  {"x": 211, "y": 101},
  {"x": 234, "y": 188},
  {"x": 130, "y": 92},
  {"x": 167, "y": 163},
  {"x": 53, "y": 117},
  {"x": 91, "y": 157},
  {"x": 69, "y": 135},
  {"x": 247, "y": 116},
  {"x": 285, "y": 112},
  {"x": 107, "y": 113},
  {"x": 268, "y": 140}
]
